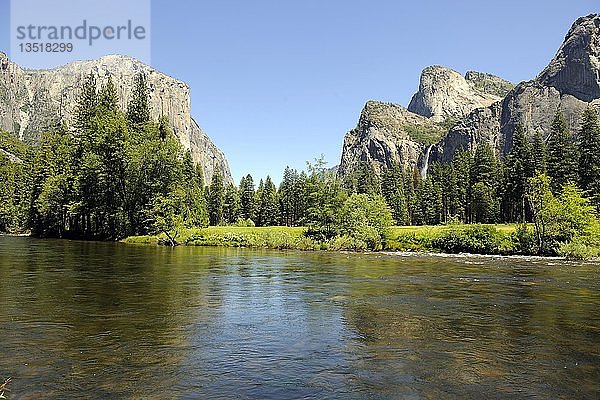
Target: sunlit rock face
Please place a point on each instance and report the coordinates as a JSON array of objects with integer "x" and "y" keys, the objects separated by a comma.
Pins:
[
  {"x": 445, "y": 94},
  {"x": 570, "y": 83},
  {"x": 31, "y": 101}
]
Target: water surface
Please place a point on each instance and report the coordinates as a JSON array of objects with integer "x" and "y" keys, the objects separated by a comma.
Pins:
[{"x": 103, "y": 320}]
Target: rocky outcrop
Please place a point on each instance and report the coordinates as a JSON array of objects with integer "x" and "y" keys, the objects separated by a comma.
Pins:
[
  {"x": 570, "y": 83},
  {"x": 574, "y": 70},
  {"x": 31, "y": 101},
  {"x": 445, "y": 94},
  {"x": 388, "y": 135}
]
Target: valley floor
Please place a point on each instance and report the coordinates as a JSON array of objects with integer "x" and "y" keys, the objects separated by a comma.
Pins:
[{"x": 401, "y": 238}]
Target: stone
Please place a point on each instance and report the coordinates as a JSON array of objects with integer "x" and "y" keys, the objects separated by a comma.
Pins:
[
  {"x": 31, "y": 101},
  {"x": 445, "y": 94}
]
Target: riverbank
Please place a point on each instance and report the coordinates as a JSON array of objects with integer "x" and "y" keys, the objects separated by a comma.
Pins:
[
  {"x": 490, "y": 239},
  {"x": 400, "y": 238}
]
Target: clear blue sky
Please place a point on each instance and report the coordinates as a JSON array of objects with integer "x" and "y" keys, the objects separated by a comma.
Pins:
[{"x": 276, "y": 83}]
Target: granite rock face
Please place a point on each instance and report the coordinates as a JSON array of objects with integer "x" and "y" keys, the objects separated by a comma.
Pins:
[
  {"x": 446, "y": 94},
  {"x": 570, "y": 83},
  {"x": 485, "y": 107},
  {"x": 388, "y": 135},
  {"x": 33, "y": 100},
  {"x": 575, "y": 68}
]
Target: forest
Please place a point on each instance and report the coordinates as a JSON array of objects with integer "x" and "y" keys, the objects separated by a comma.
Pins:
[{"x": 119, "y": 173}]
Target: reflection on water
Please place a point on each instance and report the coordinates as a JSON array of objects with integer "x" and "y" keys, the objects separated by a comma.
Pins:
[{"x": 100, "y": 320}]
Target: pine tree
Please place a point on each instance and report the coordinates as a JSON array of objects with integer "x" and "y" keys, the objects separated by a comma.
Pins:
[
  {"x": 86, "y": 107},
  {"x": 138, "y": 110},
  {"x": 267, "y": 209},
  {"x": 107, "y": 98},
  {"x": 589, "y": 158},
  {"x": 247, "y": 198},
  {"x": 539, "y": 154},
  {"x": 392, "y": 188},
  {"x": 519, "y": 169},
  {"x": 485, "y": 202},
  {"x": 231, "y": 205},
  {"x": 462, "y": 164},
  {"x": 563, "y": 157},
  {"x": 216, "y": 199}
]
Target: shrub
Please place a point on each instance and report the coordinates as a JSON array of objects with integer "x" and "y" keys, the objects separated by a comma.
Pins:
[
  {"x": 523, "y": 239},
  {"x": 478, "y": 239},
  {"x": 367, "y": 220}
]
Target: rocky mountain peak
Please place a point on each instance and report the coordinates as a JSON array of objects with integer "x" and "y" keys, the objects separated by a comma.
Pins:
[
  {"x": 445, "y": 94},
  {"x": 575, "y": 69},
  {"x": 33, "y": 100}
]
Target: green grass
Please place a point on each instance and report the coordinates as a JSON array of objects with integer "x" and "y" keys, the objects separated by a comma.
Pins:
[
  {"x": 273, "y": 237},
  {"x": 424, "y": 238},
  {"x": 402, "y": 238}
]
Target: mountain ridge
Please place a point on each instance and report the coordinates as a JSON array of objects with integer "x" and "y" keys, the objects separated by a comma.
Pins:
[
  {"x": 33, "y": 100},
  {"x": 570, "y": 83}
]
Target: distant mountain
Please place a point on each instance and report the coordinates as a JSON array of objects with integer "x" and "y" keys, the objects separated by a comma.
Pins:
[
  {"x": 444, "y": 93},
  {"x": 570, "y": 83},
  {"x": 33, "y": 100},
  {"x": 479, "y": 108}
]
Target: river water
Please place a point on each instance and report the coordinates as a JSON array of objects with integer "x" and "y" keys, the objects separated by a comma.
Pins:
[{"x": 105, "y": 320}]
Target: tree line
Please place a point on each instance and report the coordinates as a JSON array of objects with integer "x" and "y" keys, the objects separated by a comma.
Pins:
[
  {"x": 112, "y": 174},
  {"x": 118, "y": 173}
]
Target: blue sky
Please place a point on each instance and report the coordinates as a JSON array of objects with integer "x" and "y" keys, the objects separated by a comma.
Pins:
[{"x": 276, "y": 83}]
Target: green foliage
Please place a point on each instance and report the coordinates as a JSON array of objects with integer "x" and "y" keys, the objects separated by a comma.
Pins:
[
  {"x": 392, "y": 189},
  {"x": 109, "y": 176},
  {"x": 539, "y": 154},
  {"x": 231, "y": 204},
  {"x": 362, "y": 179},
  {"x": 589, "y": 157},
  {"x": 247, "y": 198},
  {"x": 563, "y": 155},
  {"x": 519, "y": 167},
  {"x": 479, "y": 239},
  {"x": 325, "y": 197},
  {"x": 559, "y": 220},
  {"x": 366, "y": 219},
  {"x": 138, "y": 110},
  {"x": 12, "y": 145},
  {"x": 216, "y": 199},
  {"x": 267, "y": 204},
  {"x": 291, "y": 195}
]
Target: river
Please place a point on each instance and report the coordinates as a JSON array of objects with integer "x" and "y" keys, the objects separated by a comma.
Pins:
[{"x": 108, "y": 320}]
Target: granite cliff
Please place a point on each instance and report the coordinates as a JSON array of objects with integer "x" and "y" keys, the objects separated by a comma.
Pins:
[
  {"x": 33, "y": 100},
  {"x": 480, "y": 108},
  {"x": 390, "y": 134},
  {"x": 445, "y": 94},
  {"x": 570, "y": 83}
]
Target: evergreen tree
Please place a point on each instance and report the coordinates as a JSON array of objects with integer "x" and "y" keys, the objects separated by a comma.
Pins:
[
  {"x": 107, "y": 98},
  {"x": 363, "y": 180},
  {"x": 563, "y": 157},
  {"x": 324, "y": 198},
  {"x": 519, "y": 169},
  {"x": 462, "y": 164},
  {"x": 247, "y": 198},
  {"x": 392, "y": 188},
  {"x": 289, "y": 197},
  {"x": 485, "y": 203},
  {"x": 86, "y": 107},
  {"x": 589, "y": 158},
  {"x": 216, "y": 199},
  {"x": 231, "y": 205},
  {"x": 540, "y": 154},
  {"x": 138, "y": 110},
  {"x": 267, "y": 210}
]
